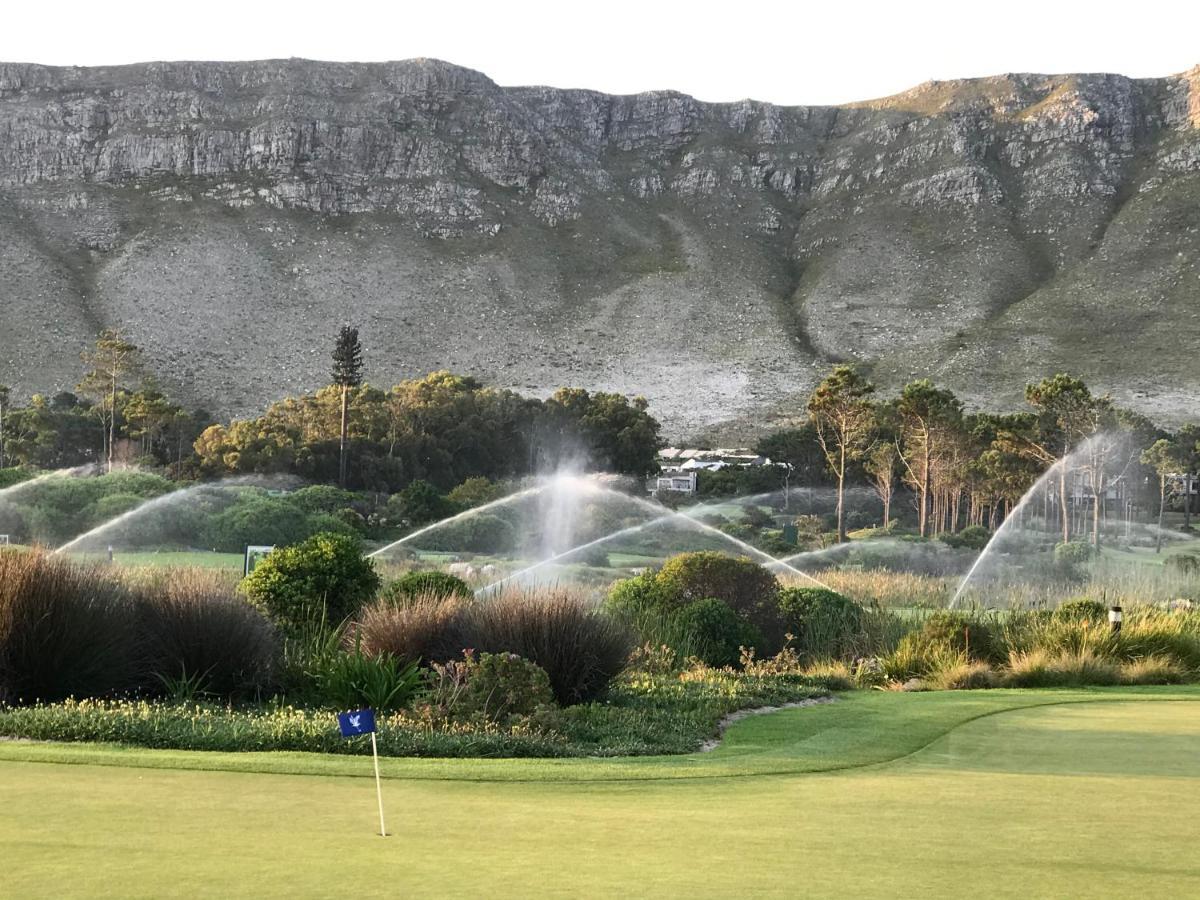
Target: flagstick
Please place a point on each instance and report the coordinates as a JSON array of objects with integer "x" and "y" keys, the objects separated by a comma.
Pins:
[{"x": 378, "y": 786}]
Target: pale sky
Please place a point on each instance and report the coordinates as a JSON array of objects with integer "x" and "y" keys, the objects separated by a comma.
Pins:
[{"x": 792, "y": 53}]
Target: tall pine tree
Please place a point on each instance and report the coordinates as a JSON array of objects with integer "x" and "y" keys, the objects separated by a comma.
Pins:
[{"x": 347, "y": 373}]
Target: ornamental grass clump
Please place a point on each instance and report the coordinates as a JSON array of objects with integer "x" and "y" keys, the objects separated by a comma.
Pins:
[
  {"x": 426, "y": 628},
  {"x": 65, "y": 630},
  {"x": 581, "y": 648},
  {"x": 197, "y": 633}
]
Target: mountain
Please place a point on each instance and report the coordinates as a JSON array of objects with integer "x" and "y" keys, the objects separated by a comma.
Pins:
[{"x": 715, "y": 257}]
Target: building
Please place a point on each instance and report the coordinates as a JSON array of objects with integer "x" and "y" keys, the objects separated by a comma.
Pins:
[{"x": 681, "y": 466}]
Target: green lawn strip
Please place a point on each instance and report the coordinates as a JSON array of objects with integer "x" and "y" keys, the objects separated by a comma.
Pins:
[{"x": 861, "y": 729}]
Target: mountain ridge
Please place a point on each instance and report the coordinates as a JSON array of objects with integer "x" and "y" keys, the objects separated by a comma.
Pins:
[{"x": 716, "y": 257}]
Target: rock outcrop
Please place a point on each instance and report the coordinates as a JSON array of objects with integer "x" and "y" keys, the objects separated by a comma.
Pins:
[{"x": 714, "y": 257}]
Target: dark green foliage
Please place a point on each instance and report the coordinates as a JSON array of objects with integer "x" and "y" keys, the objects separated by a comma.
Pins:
[
  {"x": 714, "y": 633},
  {"x": 256, "y": 519},
  {"x": 322, "y": 498},
  {"x": 420, "y": 503},
  {"x": 480, "y": 533},
  {"x": 973, "y": 537},
  {"x": 1183, "y": 563},
  {"x": 639, "y": 594},
  {"x": 59, "y": 509},
  {"x": 430, "y": 583},
  {"x": 959, "y": 632},
  {"x": 749, "y": 589},
  {"x": 1073, "y": 553},
  {"x": 324, "y": 579},
  {"x": 581, "y": 648},
  {"x": 822, "y": 622},
  {"x": 65, "y": 630},
  {"x": 194, "y": 628},
  {"x": 353, "y": 679},
  {"x": 1082, "y": 610},
  {"x": 503, "y": 686}
]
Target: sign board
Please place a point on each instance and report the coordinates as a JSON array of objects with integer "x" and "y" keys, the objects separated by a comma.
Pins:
[{"x": 255, "y": 554}]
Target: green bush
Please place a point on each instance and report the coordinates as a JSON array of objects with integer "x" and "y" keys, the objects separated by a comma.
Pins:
[
  {"x": 502, "y": 686},
  {"x": 973, "y": 537},
  {"x": 749, "y": 589},
  {"x": 638, "y": 595},
  {"x": 714, "y": 633},
  {"x": 959, "y": 632},
  {"x": 65, "y": 630},
  {"x": 426, "y": 584},
  {"x": 823, "y": 623},
  {"x": 256, "y": 519},
  {"x": 1183, "y": 563},
  {"x": 479, "y": 533},
  {"x": 323, "y": 580},
  {"x": 581, "y": 648},
  {"x": 1081, "y": 610},
  {"x": 1073, "y": 553},
  {"x": 353, "y": 679},
  {"x": 322, "y": 498},
  {"x": 195, "y": 629}
]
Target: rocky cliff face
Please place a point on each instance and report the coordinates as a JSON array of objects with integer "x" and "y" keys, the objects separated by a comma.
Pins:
[{"x": 714, "y": 257}]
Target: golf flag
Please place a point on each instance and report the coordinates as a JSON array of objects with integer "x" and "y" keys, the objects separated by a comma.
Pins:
[{"x": 359, "y": 721}]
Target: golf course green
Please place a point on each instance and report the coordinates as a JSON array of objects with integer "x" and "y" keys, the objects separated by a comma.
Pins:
[{"x": 998, "y": 793}]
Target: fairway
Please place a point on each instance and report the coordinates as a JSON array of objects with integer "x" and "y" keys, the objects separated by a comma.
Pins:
[{"x": 1073, "y": 799}]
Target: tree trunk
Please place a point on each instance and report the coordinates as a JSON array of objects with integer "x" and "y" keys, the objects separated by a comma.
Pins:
[
  {"x": 342, "y": 443},
  {"x": 841, "y": 486},
  {"x": 1162, "y": 502},
  {"x": 1062, "y": 499},
  {"x": 112, "y": 418},
  {"x": 1187, "y": 500}
]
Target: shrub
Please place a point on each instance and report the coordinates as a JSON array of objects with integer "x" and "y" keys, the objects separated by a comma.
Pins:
[
  {"x": 714, "y": 633},
  {"x": 973, "y": 537},
  {"x": 1152, "y": 670},
  {"x": 961, "y": 675},
  {"x": 324, "y": 579},
  {"x": 321, "y": 498},
  {"x": 1029, "y": 668},
  {"x": 582, "y": 649},
  {"x": 354, "y": 679},
  {"x": 426, "y": 584},
  {"x": 196, "y": 628},
  {"x": 479, "y": 533},
  {"x": 501, "y": 686},
  {"x": 428, "y": 628},
  {"x": 960, "y": 632},
  {"x": 1073, "y": 553},
  {"x": 256, "y": 519},
  {"x": 639, "y": 594},
  {"x": 65, "y": 630},
  {"x": 1040, "y": 668},
  {"x": 1081, "y": 610},
  {"x": 1183, "y": 563},
  {"x": 823, "y": 622},
  {"x": 749, "y": 589}
]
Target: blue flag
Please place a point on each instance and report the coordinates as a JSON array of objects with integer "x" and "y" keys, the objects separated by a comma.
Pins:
[{"x": 360, "y": 721}]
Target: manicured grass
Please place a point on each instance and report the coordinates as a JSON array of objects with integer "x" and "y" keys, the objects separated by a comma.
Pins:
[
  {"x": 177, "y": 558},
  {"x": 1074, "y": 799}
]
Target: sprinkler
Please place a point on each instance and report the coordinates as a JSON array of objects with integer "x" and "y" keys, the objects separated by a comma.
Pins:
[{"x": 1114, "y": 619}]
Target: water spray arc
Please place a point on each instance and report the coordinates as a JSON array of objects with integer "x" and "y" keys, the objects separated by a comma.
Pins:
[
  {"x": 466, "y": 514},
  {"x": 163, "y": 501},
  {"x": 662, "y": 516},
  {"x": 13, "y": 491}
]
